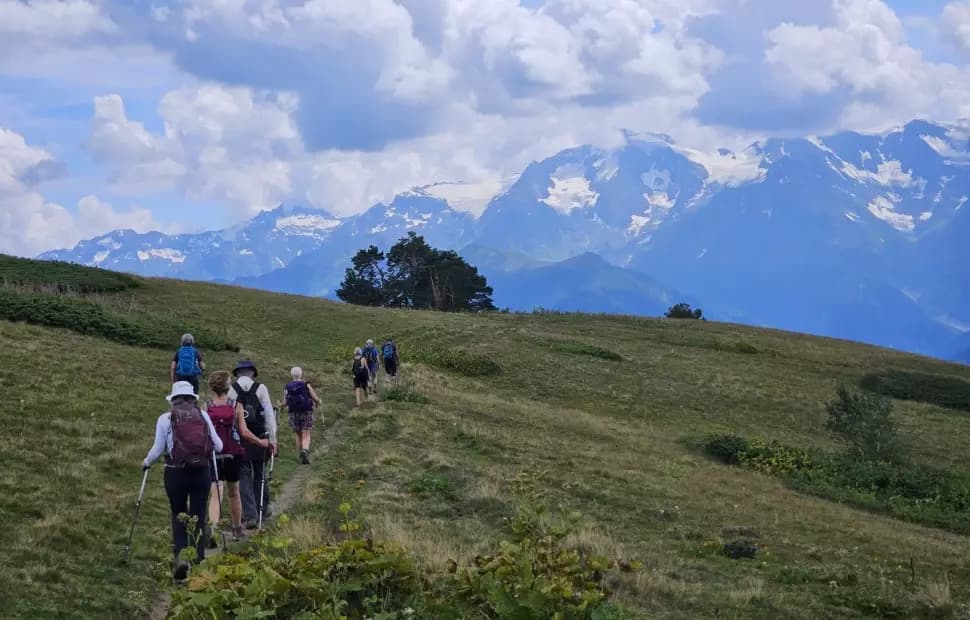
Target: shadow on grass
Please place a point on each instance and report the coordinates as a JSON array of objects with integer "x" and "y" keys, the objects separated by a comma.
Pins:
[{"x": 942, "y": 390}]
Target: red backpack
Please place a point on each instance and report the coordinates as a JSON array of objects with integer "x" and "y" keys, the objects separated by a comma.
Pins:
[
  {"x": 191, "y": 444},
  {"x": 224, "y": 420}
]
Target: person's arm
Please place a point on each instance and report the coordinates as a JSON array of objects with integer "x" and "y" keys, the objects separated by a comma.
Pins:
[
  {"x": 213, "y": 435},
  {"x": 162, "y": 427},
  {"x": 171, "y": 372},
  {"x": 200, "y": 360},
  {"x": 244, "y": 432},
  {"x": 282, "y": 404},
  {"x": 263, "y": 394},
  {"x": 313, "y": 395}
]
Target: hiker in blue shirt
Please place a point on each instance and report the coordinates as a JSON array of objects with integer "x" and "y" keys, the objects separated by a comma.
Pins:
[
  {"x": 391, "y": 358},
  {"x": 373, "y": 356},
  {"x": 187, "y": 363}
]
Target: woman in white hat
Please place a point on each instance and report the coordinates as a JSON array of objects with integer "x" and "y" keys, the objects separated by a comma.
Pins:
[{"x": 186, "y": 437}]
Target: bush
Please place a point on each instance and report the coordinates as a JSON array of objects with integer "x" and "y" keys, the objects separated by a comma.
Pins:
[
  {"x": 684, "y": 311},
  {"x": 773, "y": 458},
  {"x": 728, "y": 449},
  {"x": 581, "y": 348},
  {"x": 865, "y": 421},
  {"x": 61, "y": 277},
  {"x": 91, "y": 319},
  {"x": 462, "y": 362},
  {"x": 942, "y": 390},
  {"x": 907, "y": 491},
  {"x": 429, "y": 484},
  {"x": 403, "y": 393}
]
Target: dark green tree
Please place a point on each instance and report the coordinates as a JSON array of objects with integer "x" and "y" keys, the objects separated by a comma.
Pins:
[
  {"x": 684, "y": 311},
  {"x": 415, "y": 275},
  {"x": 365, "y": 282}
]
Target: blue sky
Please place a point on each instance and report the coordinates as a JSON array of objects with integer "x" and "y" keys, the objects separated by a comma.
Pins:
[{"x": 190, "y": 114}]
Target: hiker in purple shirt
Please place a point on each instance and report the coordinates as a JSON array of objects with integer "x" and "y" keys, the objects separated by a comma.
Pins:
[{"x": 299, "y": 400}]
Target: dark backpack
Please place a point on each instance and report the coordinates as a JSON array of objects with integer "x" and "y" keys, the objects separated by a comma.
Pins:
[
  {"x": 358, "y": 367},
  {"x": 388, "y": 350},
  {"x": 255, "y": 418},
  {"x": 224, "y": 421},
  {"x": 191, "y": 443},
  {"x": 371, "y": 354},
  {"x": 298, "y": 399},
  {"x": 188, "y": 362}
]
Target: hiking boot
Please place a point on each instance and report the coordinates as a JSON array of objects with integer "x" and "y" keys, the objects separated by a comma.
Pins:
[
  {"x": 305, "y": 457},
  {"x": 251, "y": 524},
  {"x": 181, "y": 570}
]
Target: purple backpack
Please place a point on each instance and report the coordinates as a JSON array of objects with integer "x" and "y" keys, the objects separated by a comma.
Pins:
[
  {"x": 298, "y": 398},
  {"x": 191, "y": 443}
]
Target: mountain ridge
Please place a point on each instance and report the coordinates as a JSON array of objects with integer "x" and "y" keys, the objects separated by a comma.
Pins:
[{"x": 880, "y": 213}]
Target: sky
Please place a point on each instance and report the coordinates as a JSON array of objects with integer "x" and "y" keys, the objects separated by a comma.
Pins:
[{"x": 184, "y": 115}]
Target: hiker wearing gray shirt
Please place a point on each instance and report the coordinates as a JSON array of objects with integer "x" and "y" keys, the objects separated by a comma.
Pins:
[{"x": 253, "y": 400}]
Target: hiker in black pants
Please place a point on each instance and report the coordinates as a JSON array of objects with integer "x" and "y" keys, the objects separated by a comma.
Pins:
[
  {"x": 391, "y": 358},
  {"x": 252, "y": 399},
  {"x": 187, "y": 363},
  {"x": 188, "y": 452}
]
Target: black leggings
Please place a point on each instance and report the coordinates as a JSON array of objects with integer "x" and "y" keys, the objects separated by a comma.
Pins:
[{"x": 188, "y": 493}]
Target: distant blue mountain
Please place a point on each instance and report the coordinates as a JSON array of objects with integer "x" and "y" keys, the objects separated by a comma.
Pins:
[{"x": 860, "y": 236}]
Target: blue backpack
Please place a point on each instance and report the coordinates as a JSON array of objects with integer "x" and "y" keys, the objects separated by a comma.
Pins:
[
  {"x": 388, "y": 350},
  {"x": 370, "y": 353},
  {"x": 188, "y": 362}
]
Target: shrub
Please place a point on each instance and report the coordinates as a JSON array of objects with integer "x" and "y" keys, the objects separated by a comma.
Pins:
[
  {"x": 462, "y": 362},
  {"x": 728, "y": 449},
  {"x": 683, "y": 311},
  {"x": 581, "y": 348},
  {"x": 534, "y": 573},
  {"x": 941, "y": 390},
  {"x": 903, "y": 490},
  {"x": 865, "y": 421},
  {"x": 356, "y": 578},
  {"x": 403, "y": 393},
  {"x": 429, "y": 484},
  {"x": 61, "y": 277},
  {"x": 773, "y": 458},
  {"x": 88, "y": 318}
]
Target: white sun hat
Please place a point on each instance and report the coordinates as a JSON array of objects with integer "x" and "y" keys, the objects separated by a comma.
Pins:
[{"x": 182, "y": 388}]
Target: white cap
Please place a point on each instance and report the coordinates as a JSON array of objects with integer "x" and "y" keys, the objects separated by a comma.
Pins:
[{"x": 181, "y": 388}]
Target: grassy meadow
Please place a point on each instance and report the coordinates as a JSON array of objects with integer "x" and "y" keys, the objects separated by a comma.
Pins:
[{"x": 601, "y": 407}]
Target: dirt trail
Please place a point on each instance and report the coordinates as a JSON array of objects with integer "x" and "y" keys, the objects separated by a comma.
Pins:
[{"x": 287, "y": 496}]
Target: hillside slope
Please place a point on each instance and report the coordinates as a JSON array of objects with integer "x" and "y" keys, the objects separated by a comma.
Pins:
[{"x": 79, "y": 413}]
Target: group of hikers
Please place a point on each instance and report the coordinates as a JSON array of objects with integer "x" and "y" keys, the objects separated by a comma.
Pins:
[{"x": 230, "y": 441}]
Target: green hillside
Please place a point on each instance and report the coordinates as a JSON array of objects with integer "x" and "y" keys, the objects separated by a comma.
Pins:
[{"x": 483, "y": 399}]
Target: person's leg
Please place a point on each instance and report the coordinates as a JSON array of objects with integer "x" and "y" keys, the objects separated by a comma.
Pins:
[
  {"x": 214, "y": 507},
  {"x": 247, "y": 490},
  {"x": 199, "y": 483},
  {"x": 298, "y": 436},
  {"x": 305, "y": 440},
  {"x": 235, "y": 503},
  {"x": 178, "y": 502}
]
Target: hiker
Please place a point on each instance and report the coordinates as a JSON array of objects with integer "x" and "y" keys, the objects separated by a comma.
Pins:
[
  {"x": 361, "y": 376},
  {"x": 372, "y": 355},
  {"x": 230, "y": 424},
  {"x": 299, "y": 399},
  {"x": 187, "y": 363},
  {"x": 186, "y": 437},
  {"x": 254, "y": 404},
  {"x": 391, "y": 358}
]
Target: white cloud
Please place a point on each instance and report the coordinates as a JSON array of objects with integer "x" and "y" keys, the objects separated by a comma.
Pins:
[
  {"x": 865, "y": 53},
  {"x": 29, "y": 223},
  {"x": 955, "y": 22}
]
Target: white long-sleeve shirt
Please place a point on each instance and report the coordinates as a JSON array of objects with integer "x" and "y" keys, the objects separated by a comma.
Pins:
[
  {"x": 263, "y": 395},
  {"x": 163, "y": 437}
]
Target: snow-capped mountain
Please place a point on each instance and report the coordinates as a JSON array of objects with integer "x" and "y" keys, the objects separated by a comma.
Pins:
[
  {"x": 269, "y": 241},
  {"x": 855, "y": 235}
]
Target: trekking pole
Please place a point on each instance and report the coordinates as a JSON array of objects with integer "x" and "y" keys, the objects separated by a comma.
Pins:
[
  {"x": 262, "y": 494},
  {"x": 215, "y": 469},
  {"x": 131, "y": 532}
]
